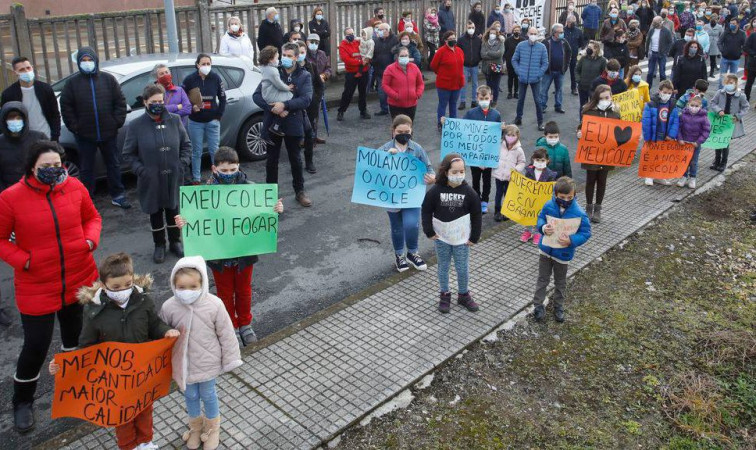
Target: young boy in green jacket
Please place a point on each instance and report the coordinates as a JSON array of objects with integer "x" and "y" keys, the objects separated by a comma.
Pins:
[{"x": 559, "y": 156}]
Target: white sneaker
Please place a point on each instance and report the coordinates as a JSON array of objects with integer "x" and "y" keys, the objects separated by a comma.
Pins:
[
  {"x": 649, "y": 181},
  {"x": 681, "y": 182},
  {"x": 692, "y": 183},
  {"x": 147, "y": 446},
  {"x": 666, "y": 182}
]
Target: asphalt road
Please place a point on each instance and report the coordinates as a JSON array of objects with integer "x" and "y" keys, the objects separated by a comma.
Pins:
[{"x": 326, "y": 253}]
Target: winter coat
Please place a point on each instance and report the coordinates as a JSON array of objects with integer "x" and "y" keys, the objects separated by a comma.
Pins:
[
  {"x": 643, "y": 90},
  {"x": 270, "y": 33},
  {"x": 177, "y": 96},
  {"x": 213, "y": 96},
  {"x": 322, "y": 29},
  {"x": 510, "y": 45},
  {"x": 492, "y": 54},
  {"x": 591, "y": 16},
  {"x": 52, "y": 226},
  {"x": 401, "y": 24},
  {"x": 576, "y": 240},
  {"x": 234, "y": 45},
  {"x": 509, "y": 159},
  {"x": 383, "y": 53},
  {"x": 13, "y": 146},
  {"x": 447, "y": 204},
  {"x": 687, "y": 70},
  {"x": 446, "y": 20},
  {"x": 656, "y": 129},
  {"x": 430, "y": 32},
  {"x": 547, "y": 175},
  {"x": 738, "y": 107},
  {"x": 47, "y": 101},
  {"x": 609, "y": 113},
  {"x": 575, "y": 37},
  {"x": 566, "y": 53},
  {"x": 618, "y": 51},
  {"x": 714, "y": 33},
  {"x": 106, "y": 321},
  {"x": 530, "y": 61},
  {"x": 479, "y": 19},
  {"x": 677, "y": 49},
  {"x": 295, "y": 23},
  {"x": 296, "y": 123},
  {"x": 471, "y": 45},
  {"x": 617, "y": 86},
  {"x": 750, "y": 50},
  {"x": 694, "y": 127},
  {"x": 350, "y": 56},
  {"x": 448, "y": 65},
  {"x": 683, "y": 100},
  {"x": 415, "y": 56},
  {"x": 703, "y": 38},
  {"x": 321, "y": 65},
  {"x": 687, "y": 20},
  {"x": 158, "y": 153},
  {"x": 403, "y": 86},
  {"x": 665, "y": 41},
  {"x": 609, "y": 29},
  {"x": 494, "y": 17},
  {"x": 645, "y": 16},
  {"x": 588, "y": 69},
  {"x": 731, "y": 44},
  {"x": 477, "y": 114},
  {"x": 559, "y": 157},
  {"x": 508, "y": 24},
  {"x": 207, "y": 346},
  {"x": 92, "y": 105},
  {"x": 564, "y": 15},
  {"x": 635, "y": 44}
]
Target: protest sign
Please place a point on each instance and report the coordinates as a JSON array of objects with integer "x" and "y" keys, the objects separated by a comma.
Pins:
[
  {"x": 664, "y": 159},
  {"x": 721, "y": 131},
  {"x": 476, "y": 141},
  {"x": 629, "y": 104},
  {"x": 108, "y": 384},
  {"x": 525, "y": 199},
  {"x": 534, "y": 10},
  {"x": 562, "y": 227},
  {"x": 456, "y": 232},
  {"x": 229, "y": 220},
  {"x": 608, "y": 142},
  {"x": 389, "y": 181}
]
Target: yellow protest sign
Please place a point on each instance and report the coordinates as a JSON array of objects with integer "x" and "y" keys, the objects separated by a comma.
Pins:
[
  {"x": 629, "y": 104},
  {"x": 525, "y": 199}
]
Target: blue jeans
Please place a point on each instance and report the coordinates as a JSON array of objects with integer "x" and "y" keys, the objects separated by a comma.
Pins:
[
  {"x": 693, "y": 166},
  {"x": 550, "y": 76},
  {"x": 461, "y": 254},
  {"x": 536, "y": 97},
  {"x": 656, "y": 59},
  {"x": 447, "y": 99},
  {"x": 198, "y": 133},
  {"x": 727, "y": 66},
  {"x": 382, "y": 97},
  {"x": 204, "y": 391},
  {"x": 471, "y": 78},
  {"x": 111, "y": 158},
  {"x": 501, "y": 191},
  {"x": 405, "y": 226}
]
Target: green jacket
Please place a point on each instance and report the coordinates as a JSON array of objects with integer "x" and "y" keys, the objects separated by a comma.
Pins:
[
  {"x": 559, "y": 158},
  {"x": 105, "y": 321}
]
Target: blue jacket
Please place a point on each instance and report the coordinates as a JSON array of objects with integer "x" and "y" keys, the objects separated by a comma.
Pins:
[
  {"x": 654, "y": 129},
  {"x": 296, "y": 123},
  {"x": 477, "y": 114},
  {"x": 574, "y": 36},
  {"x": 530, "y": 61},
  {"x": 591, "y": 16},
  {"x": 446, "y": 20},
  {"x": 579, "y": 238},
  {"x": 493, "y": 17}
]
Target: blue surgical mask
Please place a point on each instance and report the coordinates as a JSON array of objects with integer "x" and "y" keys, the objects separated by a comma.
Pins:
[
  {"x": 301, "y": 57},
  {"x": 403, "y": 60},
  {"x": 561, "y": 35},
  {"x": 312, "y": 47},
  {"x": 277, "y": 18},
  {"x": 699, "y": 27},
  {"x": 15, "y": 125},
  {"x": 379, "y": 33},
  {"x": 730, "y": 87},
  {"x": 27, "y": 77},
  {"x": 636, "y": 78},
  {"x": 613, "y": 16},
  {"x": 87, "y": 66},
  {"x": 286, "y": 62},
  {"x": 733, "y": 27},
  {"x": 319, "y": 16}
]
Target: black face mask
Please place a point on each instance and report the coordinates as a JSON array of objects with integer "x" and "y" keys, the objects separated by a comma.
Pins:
[
  {"x": 380, "y": 16},
  {"x": 350, "y": 38},
  {"x": 563, "y": 203},
  {"x": 516, "y": 35},
  {"x": 451, "y": 43},
  {"x": 403, "y": 138},
  {"x": 589, "y": 51},
  {"x": 156, "y": 109}
]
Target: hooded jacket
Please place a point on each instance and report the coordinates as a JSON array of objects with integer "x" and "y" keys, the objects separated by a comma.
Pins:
[
  {"x": 446, "y": 19},
  {"x": 576, "y": 240},
  {"x": 509, "y": 159},
  {"x": 694, "y": 127},
  {"x": 105, "y": 320},
  {"x": 13, "y": 146},
  {"x": 52, "y": 227},
  {"x": 234, "y": 45},
  {"x": 293, "y": 23},
  {"x": 92, "y": 105},
  {"x": 591, "y": 16},
  {"x": 45, "y": 97},
  {"x": 207, "y": 346},
  {"x": 660, "y": 120}
]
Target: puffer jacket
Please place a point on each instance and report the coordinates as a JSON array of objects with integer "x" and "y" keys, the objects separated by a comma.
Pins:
[
  {"x": 694, "y": 127},
  {"x": 738, "y": 107},
  {"x": 509, "y": 159},
  {"x": 591, "y": 16},
  {"x": 52, "y": 227},
  {"x": 688, "y": 69},
  {"x": 654, "y": 127},
  {"x": 448, "y": 65},
  {"x": 92, "y": 105},
  {"x": 13, "y": 146},
  {"x": 236, "y": 45},
  {"x": 207, "y": 346},
  {"x": 559, "y": 157},
  {"x": 492, "y": 54},
  {"x": 350, "y": 55},
  {"x": 530, "y": 61},
  {"x": 731, "y": 44},
  {"x": 105, "y": 320},
  {"x": 576, "y": 240},
  {"x": 403, "y": 86},
  {"x": 47, "y": 101}
]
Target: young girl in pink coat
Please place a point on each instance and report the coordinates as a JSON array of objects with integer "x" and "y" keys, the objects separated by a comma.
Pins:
[{"x": 511, "y": 157}]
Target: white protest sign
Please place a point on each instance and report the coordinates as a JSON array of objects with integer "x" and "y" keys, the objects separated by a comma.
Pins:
[
  {"x": 456, "y": 232},
  {"x": 566, "y": 227}
]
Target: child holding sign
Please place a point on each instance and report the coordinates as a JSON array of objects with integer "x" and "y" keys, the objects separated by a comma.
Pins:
[
  {"x": 694, "y": 128},
  {"x": 483, "y": 112},
  {"x": 729, "y": 100},
  {"x": 452, "y": 218},
  {"x": 661, "y": 119},
  {"x": 207, "y": 348},
  {"x": 557, "y": 213},
  {"x": 117, "y": 309},
  {"x": 538, "y": 170},
  {"x": 511, "y": 157}
]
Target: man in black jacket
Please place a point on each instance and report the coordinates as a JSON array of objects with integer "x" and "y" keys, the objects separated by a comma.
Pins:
[
  {"x": 270, "y": 31},
  {"x": 94, "y": 109},
  {"x": 37, "y": 96},
  {"x": 470, "y": 44},
  {"x": 560, "y": 55},
  {"x": 385, "y": 41},
  {"x": 731, "y": 44}
]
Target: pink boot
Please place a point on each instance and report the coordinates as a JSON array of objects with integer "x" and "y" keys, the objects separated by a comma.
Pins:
[
  {"x": 525, "y": 236},
  {"x": 537, "y": 238}
]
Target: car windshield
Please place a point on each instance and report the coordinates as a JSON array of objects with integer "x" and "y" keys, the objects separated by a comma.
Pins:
[{"x": 58, "y": 86}]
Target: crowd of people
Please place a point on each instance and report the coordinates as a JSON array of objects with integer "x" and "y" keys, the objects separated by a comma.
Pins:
[{"x": 49, "y": 226}]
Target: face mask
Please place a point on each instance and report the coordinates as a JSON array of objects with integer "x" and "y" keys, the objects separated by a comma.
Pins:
[
  {"x": 708, "y": 13},
  {"x": 524, "y": 27},
  {"x": 664, "y": 15},
  {"x": 692, "y": 51},
  {"x": 51, "y": 175},
  {"x": 694, "y": 109},
  {"x": 276, "y": 18},
  {"x": 235, "y": 28},
  {"x": 491, "y": 36},
  {"x": 451, "y": 43},
  {"x": 733, "y": 27},
  {"x": 297, "y": 28},
  {"x": 456, "y": 180},
  {"x": 408, "y": 29},
  {"x": 688, "y": 38},
  {"x": 613, "y": 16},
  {"x": 471, "y": 31},
  {"x": 699, "y": 27},
  {"x": 563, "y": 203},
  {"x": 166, "y": 80},
  {"x": 350, "y": 38},
  {"x": 156, "y": 109},
  {"x": 379, "y": 33},
  {"x": 301, "y": 57},
  {"x": 484, "y": 104},
  {"x": 589, "y": 51},
  {"x": 405, "y": 43},
  {"x": 516, "y": 34},
  {"x": 633, "y": 28},
  {"x": 403, "y": 138},
  {"x": 612, "y": 75},
  {"x": 27, "y": 77},
  {"x": 497, "y": 11},
  {"x": 286, "y": 62},
  {"x": 730, "y": 87},
  {"x": 15, "y": 125},
  {"x": 603, "y": 105},
  {"x": 561, "y": 36},
  {"x": 713, "y": 23},
  {"x": 636, "y": 78},
  {"x": 571, "y": 8},
  {"x": 507, "y": 10},
  {"x": 188, "y": 297},
  {"x": 403, "y": 60},
  {"x": 699, "y": 14},
  {"x": 205, "y": 70},
  {"x": 312, "y": 47},
  {"x": 119, "y": 297},
  {"x": 533, "y": 37},
  {"x": 511, "y": 139},
  {"x": 319, "y": 16},
  {"x": 665, "y": 97},
  {"x": 380, "y": 16},
  {"x": 87, "y": 66},
  {"x": 552, "y": 141},
  {"x": 540, "y": 165},
  {"x": 226, "y": 178}
]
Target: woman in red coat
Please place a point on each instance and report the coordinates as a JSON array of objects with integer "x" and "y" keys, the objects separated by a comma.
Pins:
[
  {"x": 448, "y": 63},
  {"x": 57, "y": 227},
  {"x": 403, "y": 85}
]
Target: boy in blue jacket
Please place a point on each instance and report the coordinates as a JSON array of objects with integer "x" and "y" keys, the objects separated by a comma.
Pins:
[
  {"x": 484, "y": 113},
  {"x": 562, "y": 206},
  {"x": 661, "y": 119}
]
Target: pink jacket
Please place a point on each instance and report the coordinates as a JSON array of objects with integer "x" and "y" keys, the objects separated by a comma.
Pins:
[
  {"x": 403, "y": 87},
  {"x": 508, "y": 160},
  {"x": 207, "y": 346}
]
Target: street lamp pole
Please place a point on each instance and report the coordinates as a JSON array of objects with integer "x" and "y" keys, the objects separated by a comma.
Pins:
[{"x": 170, "y": 24}]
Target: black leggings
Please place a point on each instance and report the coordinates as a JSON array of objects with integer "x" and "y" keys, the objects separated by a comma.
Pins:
[
  {"x": 485, "y": 174},
  {"x": 595, "y": 179},
  {"x": 431, "y": 53},
  {"x": 513, "y": 81},
  {"x": 159, "y": 226},
  {"x": 712, "y": 63}
]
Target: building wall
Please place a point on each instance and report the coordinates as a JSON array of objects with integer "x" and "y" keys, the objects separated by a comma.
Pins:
[{"x": 41, "y": 8}]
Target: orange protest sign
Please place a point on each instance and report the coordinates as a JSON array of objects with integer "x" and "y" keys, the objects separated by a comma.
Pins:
[
  {"x": 108, "y": 384},
  {"x": 664, "y": 159},
  {"x": 608, "y": 142}
]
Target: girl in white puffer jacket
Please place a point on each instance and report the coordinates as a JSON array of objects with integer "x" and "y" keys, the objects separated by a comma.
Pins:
[{"x": 511, "y": 156}]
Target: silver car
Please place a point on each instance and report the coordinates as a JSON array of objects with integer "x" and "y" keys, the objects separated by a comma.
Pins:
[{"x": 241, "y": 124}]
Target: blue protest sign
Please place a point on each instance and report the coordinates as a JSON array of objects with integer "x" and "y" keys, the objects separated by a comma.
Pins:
[
  {"x": 478, "y": 142},
  {"x": 389, "y": 181}
]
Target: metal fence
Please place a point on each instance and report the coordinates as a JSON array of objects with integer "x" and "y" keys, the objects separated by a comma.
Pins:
[{"x": 559, "y": 6}]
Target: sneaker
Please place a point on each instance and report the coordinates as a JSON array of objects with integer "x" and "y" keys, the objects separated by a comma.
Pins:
[
  {"x": 484, "y": 207},
  {"x": 416, "y": 261},
  {"x": 444, "y": 304},
  {"x": 248, "y": 335},
  {"x": 537, "y": 238},
  {"x": 303, "y": 199},
  {"x": 382, "y": 113},
  {"x": 121, "y": 202},
  {"x": 365, "y": 115},
  {"x": 467, "y": 301},
  {"x": 665, "y": 182},
  {"x": 461, "y": 106},
  {"x": 148, "y": 446},
  {"x": 682, "y": 181},
  {"x": 692, "y": 183},
  {"x": 649, "y": 181},
  {"x": 498, "y": 217},
  {"x": 239, "y": 339},
  {"x": 5, "y": 318},
  {"x": 539, "y": 313},
  {"x": 518, "y": 120},
  {"x": 560, "y": 110},
  {"x": 541, "y": 127},
  {"x": 559, "y": 314},
  {"x": 401, "y": 263},
  {"x": 525, "y": 236}
]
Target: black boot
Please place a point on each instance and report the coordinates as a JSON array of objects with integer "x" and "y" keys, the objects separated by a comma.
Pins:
[
  {"x": 174, "y": 237},
  {"x": 723, "y": 162},
  {"x": 158, "y": 237},
  {"x": 717, "y": 159},
  {"x": 5, "y": 318},
  {"x": 23, "y": 401}
]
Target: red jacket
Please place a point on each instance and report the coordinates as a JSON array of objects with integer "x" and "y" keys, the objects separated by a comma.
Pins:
[
  {"x": 400, "y": 26},
  {"x": 52, "y": 227},
  {"x": 403, "y": 89},
  {"x": 350, "y": 55},
  {"x": 449, "y": 67}
]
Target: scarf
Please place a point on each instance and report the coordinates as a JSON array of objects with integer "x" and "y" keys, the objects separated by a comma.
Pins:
[
  {"x": 632, "y": 34},
  {"x": 432, "y": 20}
]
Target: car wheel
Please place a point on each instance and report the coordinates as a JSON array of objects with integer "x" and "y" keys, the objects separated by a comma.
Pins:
[
  {"x": 71, "y": 162},
  {"x": 250, "y": 145}
]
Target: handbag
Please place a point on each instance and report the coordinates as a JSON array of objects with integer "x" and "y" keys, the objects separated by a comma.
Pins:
[{"x": 497, "y": 68}]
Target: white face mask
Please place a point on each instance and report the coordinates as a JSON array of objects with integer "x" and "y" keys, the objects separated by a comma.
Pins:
[
  {"x": 187, "y": 296},
  {"x": 456, "y": 180},
  {"x": 540, "y": 165},
  {"x": 604, "y": 104},
  {"x": 552, "y": 141},
  {"x": 405, "y": 43},
  {"x": 484, "y": 104},
  {"x": 119, "y": 297},
  {"x": 297, "y": 28},
  {"x": 471, "y": 31},
  {"x": 205, "y": 70},
  {"x": 492, "y": 36},
  {"x": 533, "y": 37},
  {"x": 694, "y": 109},
  {"x": 665, "y": 97},
  {"x": 408, "y": 29},
  {"x": 235, "y": 28}
]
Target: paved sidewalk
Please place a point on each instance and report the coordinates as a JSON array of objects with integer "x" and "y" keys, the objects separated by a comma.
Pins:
[{"x": 305, "y": 389}]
